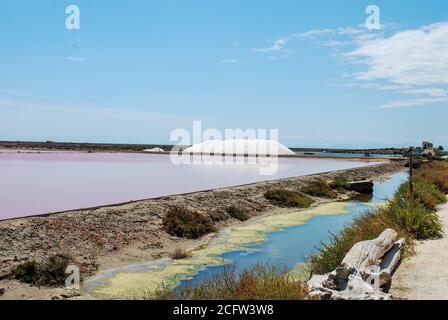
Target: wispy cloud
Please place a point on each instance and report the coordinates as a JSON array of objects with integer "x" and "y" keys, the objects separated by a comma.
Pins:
[
  {"x": 8, "y": 103},
  {"x": 228, "y": 61},
  {"x": 89, "y": 111},
  {"x": 413, "y": 102},
  {"x": 406, "y": 62},
  {"x": 324, "y": 37},
  {"x": 415, "y": 57},
  {"x": 312, "y": 34},
  {"x": 433, "y": 92},
  {"x": 75, "y": 59},
  {"x": 277, "y": 46},
  {"x": 411, "y": 62},
  {"x": 334, "y": 43}
]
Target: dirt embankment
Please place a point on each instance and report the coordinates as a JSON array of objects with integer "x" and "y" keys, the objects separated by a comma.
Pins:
[{"x": 122, "y": 234}]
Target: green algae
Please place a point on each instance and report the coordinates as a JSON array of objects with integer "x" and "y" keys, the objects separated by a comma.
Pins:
[{"x": 124, "y": 284}]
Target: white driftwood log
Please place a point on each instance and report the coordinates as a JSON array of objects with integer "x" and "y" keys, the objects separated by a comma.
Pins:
[
  {"x": 365, "y": 256},
  {"x": 366, "y": 268}
]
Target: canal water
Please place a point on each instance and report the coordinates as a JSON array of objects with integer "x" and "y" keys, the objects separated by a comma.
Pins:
[{"x": 291, "y": 246}]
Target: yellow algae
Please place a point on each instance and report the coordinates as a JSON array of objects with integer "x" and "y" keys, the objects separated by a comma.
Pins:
[
  {"x": 301, "y": 272},
  {"x": 133, "y": 284},
  {"x": 375, "y": 204}
]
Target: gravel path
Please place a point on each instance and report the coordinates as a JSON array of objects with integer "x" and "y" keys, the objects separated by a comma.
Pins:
[{"x": 424, "y": 276}]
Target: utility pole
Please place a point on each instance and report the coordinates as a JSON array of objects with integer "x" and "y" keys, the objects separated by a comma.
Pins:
[{"x": 411, "y": 175}]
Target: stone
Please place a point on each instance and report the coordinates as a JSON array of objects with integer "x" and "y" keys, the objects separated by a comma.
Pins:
[
  {"x": 4, "y": 274},
  {"x": 70, "y": 293}
]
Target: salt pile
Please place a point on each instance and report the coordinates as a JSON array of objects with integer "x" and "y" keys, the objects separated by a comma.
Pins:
[
  {"x": 154, "y": 150},
  {"x": 240, "y": 147}
]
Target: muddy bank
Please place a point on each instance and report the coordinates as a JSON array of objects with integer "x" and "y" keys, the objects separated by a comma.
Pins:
[{"x": 120, "y": 235}]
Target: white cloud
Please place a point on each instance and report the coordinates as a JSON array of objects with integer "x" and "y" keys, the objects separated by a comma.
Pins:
[
  {"x": 351, "y": 30},
  {"x": 324, "y": 37},
  {"x": 433, "y": 92},
  {"x": 228, "y": 61},
  {"x": 75, "y": 59},
  {"x": 405, "y": 62},
  {"x": 410, "y": 62},
  {"x": 277, "y": 46},
  {"x": 334, "y": 43},
  {"x": 313, "y": 33},
  {"x": 414, "y": 57},
  {"x": 136, "y": 115},
  {"x": 7, "y": 102},
  {"x": 370, "y": 85},
  {"x": 413, "y": 102}
]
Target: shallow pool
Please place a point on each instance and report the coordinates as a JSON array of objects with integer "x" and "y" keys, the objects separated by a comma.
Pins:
[{"x": 34, "y": 183}]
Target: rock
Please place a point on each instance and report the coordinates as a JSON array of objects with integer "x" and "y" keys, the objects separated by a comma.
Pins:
[
  {"x": 70, "y": 293},
  {"x": 2, "y": 291},
  {"x": 316, "y": 290},
  {"x": 4, "y": 275},
  {"x": 363, "y": 274},
  {"x": 365, "y": 186},
  {"x": 358, "y": 289}
]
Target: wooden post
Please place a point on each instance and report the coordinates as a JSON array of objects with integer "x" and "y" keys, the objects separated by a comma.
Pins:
[{"x": 411, "y": 175}]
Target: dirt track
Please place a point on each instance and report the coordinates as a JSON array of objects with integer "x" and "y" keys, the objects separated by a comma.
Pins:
[{"x": 424, "y": 276}]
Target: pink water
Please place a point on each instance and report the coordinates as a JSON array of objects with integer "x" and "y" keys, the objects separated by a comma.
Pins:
[{"x": 34, "y": 183}]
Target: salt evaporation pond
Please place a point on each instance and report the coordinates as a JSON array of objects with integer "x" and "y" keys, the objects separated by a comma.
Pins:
[
  {"x": 35, "y": 183},
  {"x": 293, "y": 237}
]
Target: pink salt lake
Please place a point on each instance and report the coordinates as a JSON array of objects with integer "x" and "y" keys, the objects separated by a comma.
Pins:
[{"x": 33, "y": 183}]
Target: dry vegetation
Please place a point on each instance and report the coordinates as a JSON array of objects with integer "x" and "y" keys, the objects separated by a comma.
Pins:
[
  {"x": 417, "y": 220},
  {"x": 237, "y": 213},
  {"x": 179, "y": 253},
  {"x": 185, "y": 223},
  {"x": 49, "y": 273},
  {"x": 286, "y": 198},
  {"x": 319, "y": 188},
  {"x": 261, "y": 282}
]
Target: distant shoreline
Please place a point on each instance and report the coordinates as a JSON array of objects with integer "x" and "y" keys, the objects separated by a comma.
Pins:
[
  {"x": 123, "y": 147},
  {"x": 299, "y": 156}
]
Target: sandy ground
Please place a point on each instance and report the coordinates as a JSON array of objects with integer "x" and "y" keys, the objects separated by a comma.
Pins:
[
  {"x": 11, "y": 289},
  {"x": 424, "y": 276},
  {"x": 14, "y": 290}
]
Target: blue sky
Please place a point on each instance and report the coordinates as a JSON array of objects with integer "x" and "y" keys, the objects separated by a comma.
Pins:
[{"x": 136, "y": 70}]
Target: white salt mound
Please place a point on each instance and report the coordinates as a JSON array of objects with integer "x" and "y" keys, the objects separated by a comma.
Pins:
[
  {"x": 154, "y": 150},
  {"x": 240, "y": 147}
]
